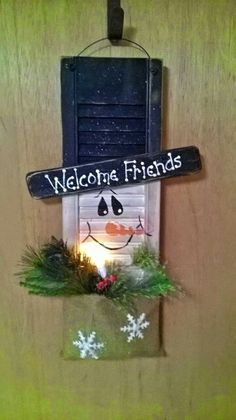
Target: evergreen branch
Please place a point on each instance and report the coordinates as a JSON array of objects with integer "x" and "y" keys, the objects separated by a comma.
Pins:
[
  {"x": 145, "y": 277},
  {"x": 58, "y": 270},
  {"x": 55, "y": 269}
]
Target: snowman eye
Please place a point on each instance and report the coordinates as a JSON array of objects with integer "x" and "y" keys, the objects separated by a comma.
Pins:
[
  {"x": 116, "y": 206},
  {"x": 102, "y": 207}
]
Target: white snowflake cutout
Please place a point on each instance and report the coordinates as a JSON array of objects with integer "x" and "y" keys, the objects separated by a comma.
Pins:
[
  {"x": 89, "y": 347},
  {"x": 135, "y": 326}
]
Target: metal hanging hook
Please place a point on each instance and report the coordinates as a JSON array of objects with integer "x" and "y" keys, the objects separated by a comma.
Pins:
[{"x": 115, "y": 20}]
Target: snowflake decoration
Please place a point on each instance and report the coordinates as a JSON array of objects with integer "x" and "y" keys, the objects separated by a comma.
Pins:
[
  {"x": 88, "y": 345},
  {"x": 134, "y": 327}
]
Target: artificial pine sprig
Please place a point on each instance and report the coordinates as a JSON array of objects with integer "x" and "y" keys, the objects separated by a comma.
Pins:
[
  {"x": 146, "y": 277},
  {"x": 58, "y": 270},
  {"x": 55, "y": 269}
]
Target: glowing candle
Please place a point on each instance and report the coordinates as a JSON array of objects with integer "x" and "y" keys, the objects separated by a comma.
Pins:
[{"x": 98, "y": 255}]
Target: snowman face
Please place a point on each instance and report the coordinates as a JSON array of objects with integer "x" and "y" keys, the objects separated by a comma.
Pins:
[{"x": 109, "y": 228}]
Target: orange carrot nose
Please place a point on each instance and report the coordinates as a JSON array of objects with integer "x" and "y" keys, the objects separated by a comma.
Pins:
[{"x": 115, "y": 229}]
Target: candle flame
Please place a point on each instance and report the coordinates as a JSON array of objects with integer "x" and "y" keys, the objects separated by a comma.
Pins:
[{"x": 98, "y": 255}]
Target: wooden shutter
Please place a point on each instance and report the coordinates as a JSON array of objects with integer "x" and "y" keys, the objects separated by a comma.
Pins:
[{"x": 111, "y": 107}]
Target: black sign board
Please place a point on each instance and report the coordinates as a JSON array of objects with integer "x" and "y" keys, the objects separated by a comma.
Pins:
[{"x": 113, "y": 173}]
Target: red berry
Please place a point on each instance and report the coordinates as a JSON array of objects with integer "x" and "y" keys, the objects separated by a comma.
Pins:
[{"x": 112, "y": 278}]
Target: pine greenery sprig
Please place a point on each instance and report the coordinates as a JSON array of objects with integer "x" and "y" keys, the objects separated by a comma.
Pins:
[
  {"x": 146, "y": 277},
  {"x": 57, "y": 270}
]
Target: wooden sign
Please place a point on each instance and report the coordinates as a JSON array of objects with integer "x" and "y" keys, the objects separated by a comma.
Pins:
[{"x": 113, "y": 173}]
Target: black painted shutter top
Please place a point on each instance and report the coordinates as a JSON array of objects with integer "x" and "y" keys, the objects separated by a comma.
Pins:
[{"x": 110, "y": 108}]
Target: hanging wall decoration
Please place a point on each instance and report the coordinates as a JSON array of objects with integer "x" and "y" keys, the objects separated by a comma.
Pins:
[{"x": 107, "y": 263}]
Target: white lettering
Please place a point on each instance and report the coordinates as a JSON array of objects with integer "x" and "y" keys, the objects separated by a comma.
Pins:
[
  {"x": 57, "y": 182},
  {"x": 177, "y": 160},
  {"x": 157, "y": 164},
  {"x": 150, "y": 170},
  {"x": 81, "y": 181},
  {"x": 127, "y": 169},
  {"x": 92, "y": 178},
  {"x": 113, "y": 175},
  {"x": 144, "y": 170},
  {"x": 76, "y": 177},
  {"x": 170, "y": 164},
  {"x": 102, "y": 177},
  {"x": 132, "y": 171},
  {"x": 136, "y": 171},
  {"x": 70, "y": 183}
]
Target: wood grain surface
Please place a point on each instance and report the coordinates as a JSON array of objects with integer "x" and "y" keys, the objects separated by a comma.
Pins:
[{"x": 197, "y": 378}]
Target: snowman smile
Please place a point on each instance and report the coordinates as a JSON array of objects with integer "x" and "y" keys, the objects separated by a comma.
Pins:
[{"x": 115, "y": 229}]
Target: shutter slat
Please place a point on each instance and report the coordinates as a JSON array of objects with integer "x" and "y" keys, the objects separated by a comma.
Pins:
[
  {"x": 112, "y": 124},
  {"x": 109, "y": 110},
  {"x": 131, "y": 212},
  {"x": 101, "y": 150},
  {"x": 92, "y": 200},
  {"x": 111, "y": 138}
]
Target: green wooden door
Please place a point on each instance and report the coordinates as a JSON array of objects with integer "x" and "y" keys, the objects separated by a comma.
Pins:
[{"x": 197, "y": 379}]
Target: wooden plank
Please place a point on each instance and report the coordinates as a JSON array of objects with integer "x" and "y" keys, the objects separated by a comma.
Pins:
[{"x": 113, "y": 173}]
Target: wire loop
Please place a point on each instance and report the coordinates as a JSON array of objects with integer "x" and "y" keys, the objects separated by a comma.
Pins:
[{"x": 123, "y": 39}]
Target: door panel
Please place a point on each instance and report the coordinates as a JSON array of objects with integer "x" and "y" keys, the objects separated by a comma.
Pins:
[{"x": 197, "y": 378}]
